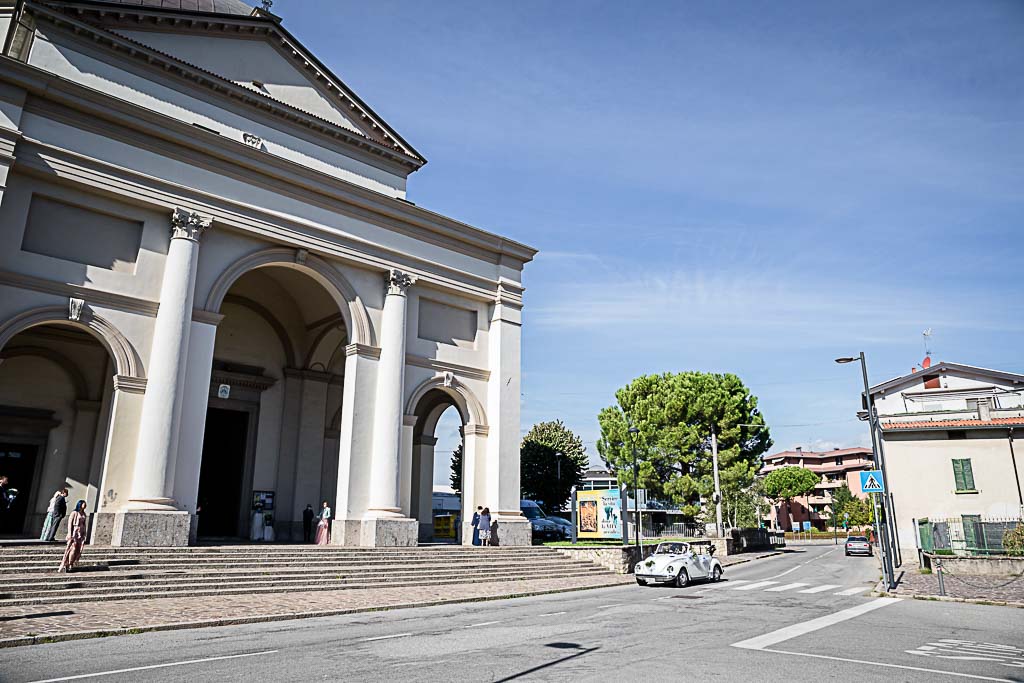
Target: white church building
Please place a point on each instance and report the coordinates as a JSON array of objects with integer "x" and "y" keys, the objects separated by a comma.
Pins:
[{"x": 213, "y": 289}]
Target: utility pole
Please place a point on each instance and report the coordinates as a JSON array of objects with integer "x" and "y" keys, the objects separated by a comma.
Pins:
[
  {"x": 718, "y": 488},
  {"x": 633, "y": 431}
]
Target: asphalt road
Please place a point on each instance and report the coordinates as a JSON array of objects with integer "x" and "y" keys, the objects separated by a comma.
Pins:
[{"x": 803, "y": 616}]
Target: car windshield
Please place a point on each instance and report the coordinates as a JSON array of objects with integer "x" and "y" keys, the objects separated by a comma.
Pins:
[
  {"x": 671, "y": 549},
  {"x": 857, "y": 538},
  {"x": 532, "y": 512}
]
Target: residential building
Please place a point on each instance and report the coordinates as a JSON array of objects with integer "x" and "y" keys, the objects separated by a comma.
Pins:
[
  {"x": 837, "y": 468},
  {"x": 214, "y": 289},
  {"x": 948, "y": 439},
  {"x": 598, "y": 480}
]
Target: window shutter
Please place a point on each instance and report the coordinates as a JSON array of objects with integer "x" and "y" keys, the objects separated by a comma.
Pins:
[
  {"x": 958, "y": 474},
  {"x": 968, "y": 475}
]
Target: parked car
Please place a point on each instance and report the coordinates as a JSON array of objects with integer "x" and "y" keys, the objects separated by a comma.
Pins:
[
  {"x": 564, "y": 524},
  {"x": 858, "y": 545},
  {"x": 543, "y": 528},
  {"x": 677, "y": 563}
]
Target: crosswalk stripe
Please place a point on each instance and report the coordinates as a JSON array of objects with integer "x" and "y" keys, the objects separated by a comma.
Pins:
[
  {"x": 787, "y": 587},
  {"x": 734, "y": 582},
  {"x": 853, "y": 591},
  {"x": 753, "y": 586},
  {"x": 820, "y": 589}
]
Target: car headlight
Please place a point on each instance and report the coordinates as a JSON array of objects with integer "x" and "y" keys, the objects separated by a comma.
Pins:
[{"x": 669, "y": 568}]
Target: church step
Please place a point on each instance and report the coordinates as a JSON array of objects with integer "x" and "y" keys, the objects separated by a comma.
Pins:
[
  {"x": 6, "y": 557},
  {"x": 60, "y": 598}
]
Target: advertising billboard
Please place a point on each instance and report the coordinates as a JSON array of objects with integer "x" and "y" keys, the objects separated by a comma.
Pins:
[{"x": 599, "y": 514}]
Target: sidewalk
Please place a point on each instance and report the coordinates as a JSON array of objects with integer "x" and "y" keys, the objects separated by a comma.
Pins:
[
  {"x": 35, "y": 624},
  {"x": 1001, "y": 590}
]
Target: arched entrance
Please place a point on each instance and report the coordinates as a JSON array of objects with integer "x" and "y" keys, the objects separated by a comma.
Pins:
[
  {"x": 429, "y": 407},
  {"x": 275, "y": 390},
  {"x": 56, "y": 389}
]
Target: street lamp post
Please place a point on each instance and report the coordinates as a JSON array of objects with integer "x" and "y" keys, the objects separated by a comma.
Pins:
[
  {"x": 718, "y": 487},
  {"x": 633, "y": 431},
  {"x": 881, "y": 525}
]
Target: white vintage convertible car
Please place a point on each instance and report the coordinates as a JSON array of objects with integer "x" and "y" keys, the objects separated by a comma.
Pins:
[{"x": 677, "y": 563}]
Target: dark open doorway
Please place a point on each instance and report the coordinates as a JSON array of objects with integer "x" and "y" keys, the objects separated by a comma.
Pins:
[
  {"x": 18, "y": 463},
  {"x": 222, "y": 472}
]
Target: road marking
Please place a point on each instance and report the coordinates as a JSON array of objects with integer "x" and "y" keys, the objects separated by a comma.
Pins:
[
  {"x": 803, "y": 564},
  {"x": 550, "y": 614},
  {"x": 890, "y": 666},
  {"x": 763, "y": 641},
  {"x": 821, "y": 589},
  {"x": 787, "y": 587},
  {"x": 614, "y": 604},
  {"x": 156, "y": 666},
  {"x": 667, "y": 597},
  {"x": 483, "y": 623},
  {"x": 754, "y": 586},
  {"x": 852, "y": 591},
  {"x": 394, "y": 635}
]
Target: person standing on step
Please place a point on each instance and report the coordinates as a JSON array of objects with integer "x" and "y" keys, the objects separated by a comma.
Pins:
[
  {"x": 307, "y": 523},
  {"x": 323, "y": 527},
  {"x": 76, "y": 538},
  {"x": 476, "y": 521},
  {"x": 54, "y": 514},
  {"x": 258, "y": 522},
  {"x": 483, "y": 526},
  {"x": 494, "y": 532}
]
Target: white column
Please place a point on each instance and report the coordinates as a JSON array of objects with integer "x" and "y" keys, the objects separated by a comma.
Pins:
[
  {"x": 355, "y": 443},
  {"x": 153, "y": 475},
  {"x": 387, "y": 424}
]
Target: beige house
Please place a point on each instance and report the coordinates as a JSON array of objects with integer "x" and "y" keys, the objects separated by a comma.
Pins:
[
  {"x": 949, "y": 438},
  {"x": 837, "y": 468},
  {"x": 214, "y": 291}
]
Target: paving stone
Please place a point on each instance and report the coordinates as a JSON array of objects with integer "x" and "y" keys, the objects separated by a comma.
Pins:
[{"x": 994, "y": 588}]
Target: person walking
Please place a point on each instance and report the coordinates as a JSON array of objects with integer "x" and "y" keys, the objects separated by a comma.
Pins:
[
  {"x": 323, "y": 527},
  {"x": 54, "y": 514},
  {"x": 76, "y": 538},
  {"x": 476, "y": 521},
  {"x": 307, "y": 523},
  {"x": 483, "y": 526}
]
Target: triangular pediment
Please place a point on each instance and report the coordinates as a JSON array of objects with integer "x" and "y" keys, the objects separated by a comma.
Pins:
[{"x": 250, "y": 50}]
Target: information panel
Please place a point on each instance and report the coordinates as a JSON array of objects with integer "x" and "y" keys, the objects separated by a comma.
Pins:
[{"x": 599, "y": 514}]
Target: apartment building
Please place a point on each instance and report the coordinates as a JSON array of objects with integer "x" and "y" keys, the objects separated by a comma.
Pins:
[{"x": 836, "y": 468}]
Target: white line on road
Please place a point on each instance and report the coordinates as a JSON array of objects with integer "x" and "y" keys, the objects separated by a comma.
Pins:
[
  {"x": 787, "y": 587},
  {"x": 763, "y": 641},
  {"x": 890, "y": 666},
  {"x": 667, "y": 597},
  {"x": 614, "y": 604},
  {"x": 394, "y": 635},
  {"x": 550, "y": 614},
  {"x": 821, "y": 589},
  {"x": 754, "y": 586},
  {"x": 802, "y": 564},
  {"x": 156, "y": 666},
  {"x": 482, "y": 623},
  {"x": 853, "y": 591}
]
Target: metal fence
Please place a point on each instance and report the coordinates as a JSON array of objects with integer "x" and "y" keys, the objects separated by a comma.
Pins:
[{"x": 966, "y": 535}]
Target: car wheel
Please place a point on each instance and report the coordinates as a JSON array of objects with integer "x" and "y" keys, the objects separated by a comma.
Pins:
[
  {"x": 716, "y": 574},
  {"x": 683, "y": 579},
  {"x": 641, "y": 582},
  {"x": 847, "y": 553}
]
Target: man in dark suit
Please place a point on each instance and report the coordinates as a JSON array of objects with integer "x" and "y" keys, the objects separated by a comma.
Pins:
[{"x": 307, "y": 523}]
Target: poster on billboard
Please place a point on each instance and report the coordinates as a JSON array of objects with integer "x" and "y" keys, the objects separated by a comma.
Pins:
[{"x": 599, "y": 514}]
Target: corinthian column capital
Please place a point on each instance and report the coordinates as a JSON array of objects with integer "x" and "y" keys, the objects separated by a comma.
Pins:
[
  {"x": 399, "y": 282},
  {"x": 188, "y": 225}
]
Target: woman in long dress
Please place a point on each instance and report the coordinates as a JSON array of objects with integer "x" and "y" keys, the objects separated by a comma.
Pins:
[
  {"x": 76, "y": 538},
  {"x": 484, "y": 525},
  {"x": 323, "y": 527}
]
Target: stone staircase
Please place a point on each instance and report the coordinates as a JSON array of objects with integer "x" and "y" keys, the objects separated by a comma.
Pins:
[{"x": 28, "y": 575}]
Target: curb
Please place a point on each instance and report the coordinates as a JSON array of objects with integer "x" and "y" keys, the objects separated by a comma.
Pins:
[
  {"x": 751, "y": 559},
  {"x": 265, "y": 618},
  {"x": 945, "y": 598}
]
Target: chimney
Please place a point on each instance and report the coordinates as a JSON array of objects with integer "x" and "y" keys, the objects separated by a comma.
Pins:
[
  {"x": 799, "y": 449},
  {"x": 985, "y": 409}
]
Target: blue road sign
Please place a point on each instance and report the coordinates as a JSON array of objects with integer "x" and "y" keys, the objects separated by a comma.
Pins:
[{"x": 871, "y": 481}]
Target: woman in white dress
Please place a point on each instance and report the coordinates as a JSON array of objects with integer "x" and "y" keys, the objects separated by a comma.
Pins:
[{"x": 484, "y": 525}]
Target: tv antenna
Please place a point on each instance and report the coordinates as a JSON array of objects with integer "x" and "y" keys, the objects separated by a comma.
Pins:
[{"x": 927, "y": 335}]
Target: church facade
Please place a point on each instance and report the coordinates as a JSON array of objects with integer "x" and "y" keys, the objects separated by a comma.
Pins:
[{"x": 214, "y": 293}]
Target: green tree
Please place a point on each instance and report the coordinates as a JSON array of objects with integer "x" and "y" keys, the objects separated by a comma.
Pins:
[
  {"x": 787, "y": 483},
  {"x": 841, "y": 497},
  {"x": 545, "y": 476},
  {"x": 676, "y": 414},
  {"x": 456, "y": 473},
  {"x": 859, "y": 511}
]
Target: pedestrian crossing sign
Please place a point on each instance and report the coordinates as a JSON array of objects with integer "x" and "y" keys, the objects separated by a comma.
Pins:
[{"x": 871, "y": 481}]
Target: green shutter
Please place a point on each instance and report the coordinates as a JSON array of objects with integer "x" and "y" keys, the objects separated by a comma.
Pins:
[
  {"x": 958, "y": 474},
  {"x": 968, "y": 475},
  {"x": 971, "y": 526}
]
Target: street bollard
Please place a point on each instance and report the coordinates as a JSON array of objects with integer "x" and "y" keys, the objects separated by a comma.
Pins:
[{"x": 938, "y": 572}]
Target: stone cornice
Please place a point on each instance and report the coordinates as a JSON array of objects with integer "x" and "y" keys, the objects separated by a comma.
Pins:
[
  {"x": 242, "y": 380},
  {"x": 386, "y": 149},
  {"x": 129, "y": 385},
  {"x": 371, "y": 352},
  {"x": 312, "y": 375},
  {"x": 464, "y": 371}
]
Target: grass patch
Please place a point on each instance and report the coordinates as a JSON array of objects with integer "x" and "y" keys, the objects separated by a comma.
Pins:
[{"x": 924, "y": 571}]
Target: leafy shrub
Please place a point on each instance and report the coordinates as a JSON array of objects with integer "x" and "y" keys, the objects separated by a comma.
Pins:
[{"x": 1013, "y": 540}]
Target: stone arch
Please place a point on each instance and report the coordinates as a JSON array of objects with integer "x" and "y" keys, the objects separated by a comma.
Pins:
[
  {"x": 465, "y": 401},
  {"x": 271, "y": 320},
  {"x": 59, "y": 359},
  {"x": 121, "y": 350},
  {"x": 357, "y": 320}
]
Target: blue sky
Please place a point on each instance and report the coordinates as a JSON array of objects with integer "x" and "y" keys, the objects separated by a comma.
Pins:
[{"x": 747, "y": 187}]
